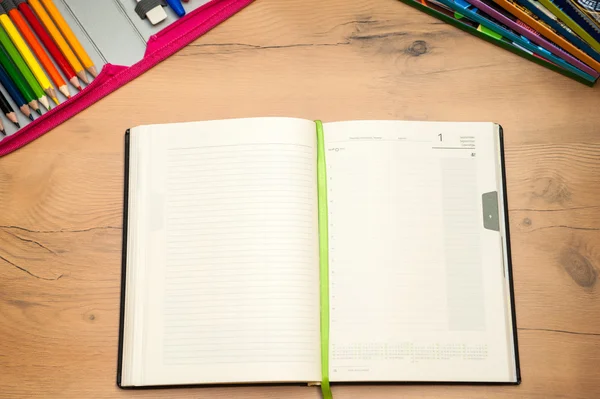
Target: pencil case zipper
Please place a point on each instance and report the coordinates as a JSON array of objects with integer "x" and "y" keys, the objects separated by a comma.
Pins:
[{"x": 112, "y": 77}]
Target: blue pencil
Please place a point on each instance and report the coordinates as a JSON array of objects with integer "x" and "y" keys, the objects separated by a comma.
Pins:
[{"x": 14, "y": 93}]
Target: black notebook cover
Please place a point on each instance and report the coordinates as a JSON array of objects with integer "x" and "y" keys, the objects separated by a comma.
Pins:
[{"x": 123, "y": 259}]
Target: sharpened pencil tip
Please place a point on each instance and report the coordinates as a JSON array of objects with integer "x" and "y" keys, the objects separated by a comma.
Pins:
[
  {"x": 3, "y": 132},
  {"x": 30, "y": 117},
  {"x": 81, "y": 75},
  {"x": 55, "y": 100},
  {"x": 17, "y": 124},
  {"x": 38, "y": 111}
]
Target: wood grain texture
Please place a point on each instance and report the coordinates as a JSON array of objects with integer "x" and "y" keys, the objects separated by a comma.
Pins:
[{"x": 61, "y": 196}]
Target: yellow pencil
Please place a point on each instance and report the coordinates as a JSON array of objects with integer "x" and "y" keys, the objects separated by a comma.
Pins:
[
  {"x": 58, "y": 39},
  {"x": 70, "y": 36},
  {"x": 30, "y": 60}
]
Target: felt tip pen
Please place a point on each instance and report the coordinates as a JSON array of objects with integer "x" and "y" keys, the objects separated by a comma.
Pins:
[{"x": 177, "y": 7}]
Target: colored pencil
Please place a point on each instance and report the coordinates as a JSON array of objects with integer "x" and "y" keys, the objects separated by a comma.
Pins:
[
  {"x": 30, "y": 60},
  {"x": 16, "y": 72},
  {"x": 58, "y": 39},
  {"x": 547, "y": 32},
  {"x": 17, "y": 77},
  {"x": 22, "y": 66},
  {"x": 70, "y": 36},
  {"x": 35, "y": 45},
  {"x": 8, "y": 110},
  {"x": 14, "y": 93},
  {"x": 52, "y": 48}
]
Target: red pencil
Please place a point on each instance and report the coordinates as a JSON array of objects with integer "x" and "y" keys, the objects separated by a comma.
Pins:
[
  {"x": 36, "y": 47},
  {"x": 60, "y": 59}
]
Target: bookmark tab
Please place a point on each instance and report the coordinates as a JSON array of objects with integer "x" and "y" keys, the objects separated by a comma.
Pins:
[
  {"x": 323, "y": 260},
  {"x": 491, "y": 217}
]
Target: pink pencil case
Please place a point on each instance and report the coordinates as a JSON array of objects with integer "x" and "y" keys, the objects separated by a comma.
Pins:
[{"x": 169, "y": 40}]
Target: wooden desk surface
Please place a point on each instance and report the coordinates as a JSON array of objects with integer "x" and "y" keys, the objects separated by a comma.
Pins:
[{"x": 61, "y": 196}]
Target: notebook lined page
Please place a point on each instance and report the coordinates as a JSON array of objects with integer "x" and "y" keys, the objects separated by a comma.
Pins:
[
  {"x": 233, "y": 289},
  {"x": 416, "y": 282}
]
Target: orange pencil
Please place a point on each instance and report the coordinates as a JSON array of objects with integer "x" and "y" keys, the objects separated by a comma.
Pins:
[
  {"x": 70, "y": 36},
  {"x": 58, "y": 38},
  {"x": 35, "y": 45}
]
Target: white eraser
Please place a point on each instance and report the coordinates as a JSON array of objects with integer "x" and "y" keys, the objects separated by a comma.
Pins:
[{"x": 156, "y": 15}]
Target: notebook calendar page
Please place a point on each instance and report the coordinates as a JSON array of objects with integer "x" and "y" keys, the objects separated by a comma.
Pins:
[{"x": 416, "y": 281}]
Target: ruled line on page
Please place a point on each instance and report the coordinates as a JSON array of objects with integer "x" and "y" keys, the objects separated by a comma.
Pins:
[
  {"x": 243, "y": 146},
  {"x": 255, "y": 206}
]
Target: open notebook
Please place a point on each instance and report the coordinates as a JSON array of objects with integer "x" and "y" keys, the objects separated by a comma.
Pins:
[{"x": 279, "y": 250}]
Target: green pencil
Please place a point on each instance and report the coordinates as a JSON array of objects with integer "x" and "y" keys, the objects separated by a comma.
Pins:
[
  {"x": 14, "y": 54},
  {"x": 17, "y": 77}
]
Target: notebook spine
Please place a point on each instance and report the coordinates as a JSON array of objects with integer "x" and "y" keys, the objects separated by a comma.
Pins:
[{"x": 123, "y": 259}]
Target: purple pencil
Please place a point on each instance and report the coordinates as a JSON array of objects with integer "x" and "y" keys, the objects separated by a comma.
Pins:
[{"x": 533, "y": 37}]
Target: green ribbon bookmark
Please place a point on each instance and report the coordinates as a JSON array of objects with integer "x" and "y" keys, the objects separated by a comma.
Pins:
[{"x": 323, "y": 260}]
